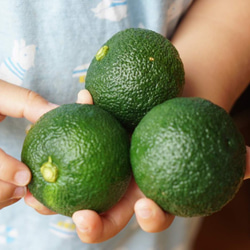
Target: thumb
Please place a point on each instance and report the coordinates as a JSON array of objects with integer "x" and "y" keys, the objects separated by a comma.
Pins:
[
  {"x": 84, "y": 97},
  {"x": 151, "y": 217},
  {"x": 19, "y": 102}
]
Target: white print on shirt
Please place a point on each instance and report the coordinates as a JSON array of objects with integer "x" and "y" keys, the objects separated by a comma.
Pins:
[
  {"x": 113, "y": 10},
  {"x": 7, "y": 234},
  {"x": 175, "y": 9},
  {"x": 64, "y": 229},
  {"x": 13, "y": 68},
  {"x": 81, "y": 71}
]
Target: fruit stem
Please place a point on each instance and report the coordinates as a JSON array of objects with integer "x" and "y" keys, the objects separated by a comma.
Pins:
[
  {"x": 49, "y": 171},
  {"x": 101, "y": 53}
]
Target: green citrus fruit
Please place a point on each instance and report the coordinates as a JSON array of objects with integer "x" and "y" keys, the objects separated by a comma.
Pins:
[
  {"x": 132, "y": 72},
  {"x": 188, "y": 156},
  {"x": 79, "y": 159}
]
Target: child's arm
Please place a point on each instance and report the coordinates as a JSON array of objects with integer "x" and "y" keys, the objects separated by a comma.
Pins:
[{"x": 213, "y": 40}]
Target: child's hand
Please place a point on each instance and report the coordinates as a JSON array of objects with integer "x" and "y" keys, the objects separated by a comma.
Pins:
[
  {"x": 83, "y": 97},
  {"x": 95, "y": 228},
  {"x": 14, "y": 175}
]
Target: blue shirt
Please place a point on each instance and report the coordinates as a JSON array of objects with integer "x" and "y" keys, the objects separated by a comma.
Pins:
[{"x": 46, "y": 46}]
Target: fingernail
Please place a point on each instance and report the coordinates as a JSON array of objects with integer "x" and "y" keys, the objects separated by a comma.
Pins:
[
  {"x": 145, "y": 212},
  {"x": 22, "y": 177},
  {"x": 19, "y": 192},
  {"x": 84, "y": 97},
  {"x": 79, "y": 220}
]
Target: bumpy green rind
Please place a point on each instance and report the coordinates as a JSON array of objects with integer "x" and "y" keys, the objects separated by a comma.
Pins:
[
  {"x": 141, "y": 69},
  {"x": 91, "y": 151},
  {"x": 188, "y": 156}
]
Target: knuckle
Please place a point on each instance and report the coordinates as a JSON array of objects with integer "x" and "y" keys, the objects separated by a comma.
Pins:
[{"x": 32, "y": 97}]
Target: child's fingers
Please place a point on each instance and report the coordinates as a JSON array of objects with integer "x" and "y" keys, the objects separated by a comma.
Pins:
[
  {"x": 151, "y": 217},
  {"x": 8, "y": 202},
  {"x": 95, "y": 228},
  {"x": 31, "y": 201},
  {"x": 13, "y": 171},
  {"x": 14, "y": 176},
  {"x": 23, "y": 102},
  {"x": 10, "y": 193},
  {"x": 84, "y": 97}
]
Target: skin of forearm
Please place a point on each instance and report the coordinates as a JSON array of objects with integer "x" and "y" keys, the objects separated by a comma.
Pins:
[{"x": 213, "y": 40}]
